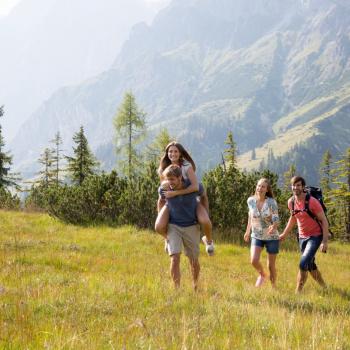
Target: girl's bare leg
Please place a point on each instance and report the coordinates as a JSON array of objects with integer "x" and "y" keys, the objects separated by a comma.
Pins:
[
  {"x": 271, "y": 265},
  {"x": 255, "y": 253},
  {"x": 204, "y": 221},
  {"x": 161, "y": 225}
]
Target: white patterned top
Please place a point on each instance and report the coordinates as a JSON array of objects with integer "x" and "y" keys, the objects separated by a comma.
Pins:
[{"x": 262, "y": 219}]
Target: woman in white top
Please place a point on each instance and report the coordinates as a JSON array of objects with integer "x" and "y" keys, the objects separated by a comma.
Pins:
[
  {"x": 175, "y": 153},
  {"x": 262, "y": 227}
]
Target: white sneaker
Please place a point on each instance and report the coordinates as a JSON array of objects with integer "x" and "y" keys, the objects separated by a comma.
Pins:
[{"x": 209, "y": 248}]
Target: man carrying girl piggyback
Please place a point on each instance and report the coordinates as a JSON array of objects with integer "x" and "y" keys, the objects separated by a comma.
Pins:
[
  {"x": 182, "y": 204},
  {"x": 175, "y": 154}
]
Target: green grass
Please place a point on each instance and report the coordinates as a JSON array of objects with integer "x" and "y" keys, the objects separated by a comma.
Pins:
[{"x": 66, "y": 287}]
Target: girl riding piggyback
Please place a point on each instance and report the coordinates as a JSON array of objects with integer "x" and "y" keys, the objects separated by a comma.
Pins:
[{"x": 176, "y": 154}]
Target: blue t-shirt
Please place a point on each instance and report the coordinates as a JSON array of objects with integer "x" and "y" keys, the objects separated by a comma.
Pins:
[{"x": 182, "y": 209}]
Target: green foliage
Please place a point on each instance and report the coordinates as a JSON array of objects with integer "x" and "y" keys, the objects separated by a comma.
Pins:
[
  {"x": 8, "y": 200},
  {"x": 140, "y": 198},
  {"x": 326, "y": 178},
  {"x": 104, "y": 198},
  {"x": 6, "y": 179},
  {"x": 340, "y": 196},
  {"x": 129, "y": 124},
  {"x": 115, "y": 200},
  {"x": 37, "y": 198},
  {"x": 83, "y": 163},
  {"x": 288, "y": 175},
  {"x": 46, "y": 174},
  {"x": 230, "y": 153},
  {"x": 156, "y": 149},
  {"x": 228, "y": 192},
  {"x": 57, "y": 157}
]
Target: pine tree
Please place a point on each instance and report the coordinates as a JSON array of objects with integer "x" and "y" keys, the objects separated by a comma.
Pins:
[
  {"x": 230, "y": 153},
  {"x": 326, "y": 177},
  {"x": 84, "y": 163},
  {"x": 341, "y": 194},
  {"x": 6, "y": 180},
  {"x": 130, "y": 127},
  {"x": 57, "y": 157}
]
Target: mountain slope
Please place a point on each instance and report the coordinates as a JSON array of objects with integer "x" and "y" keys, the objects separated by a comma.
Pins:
[{"x": 255, "y": 67}]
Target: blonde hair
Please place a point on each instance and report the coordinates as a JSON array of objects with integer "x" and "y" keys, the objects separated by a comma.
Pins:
[{"x": 172, "y": 170}]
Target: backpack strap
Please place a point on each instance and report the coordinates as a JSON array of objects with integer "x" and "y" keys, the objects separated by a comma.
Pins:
[{"x": 306, "y": 209}]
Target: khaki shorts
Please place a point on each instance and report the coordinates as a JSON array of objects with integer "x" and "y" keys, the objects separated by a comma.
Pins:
[{"x": 188, "y": 237}]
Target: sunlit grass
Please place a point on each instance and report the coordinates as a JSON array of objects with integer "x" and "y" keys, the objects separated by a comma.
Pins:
[{"x": 66, "y": 287}]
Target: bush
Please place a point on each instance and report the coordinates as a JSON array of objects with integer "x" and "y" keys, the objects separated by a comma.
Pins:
[
  {"x": 105, "y": 198},
  {"x": 8, "y": 200}
]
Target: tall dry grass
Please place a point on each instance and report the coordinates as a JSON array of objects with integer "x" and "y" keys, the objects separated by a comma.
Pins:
[{"x": 66, "y": 287}]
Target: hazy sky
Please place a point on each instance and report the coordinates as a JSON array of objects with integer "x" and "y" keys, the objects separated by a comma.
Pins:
[
  {"x": 28, "y": 48},
  {"x": 7, "y": 5}
]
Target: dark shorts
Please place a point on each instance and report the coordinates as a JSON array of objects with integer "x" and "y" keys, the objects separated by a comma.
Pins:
[
  {"x": 272, "y": 245},
  {"x": 308, "y": 248}
]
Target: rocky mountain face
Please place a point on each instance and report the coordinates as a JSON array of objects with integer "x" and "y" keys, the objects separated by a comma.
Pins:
[{"x": 275, "y": 73}]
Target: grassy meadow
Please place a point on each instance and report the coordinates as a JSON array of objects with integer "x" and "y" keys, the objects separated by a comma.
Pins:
[{"x": 68, "y": 287}]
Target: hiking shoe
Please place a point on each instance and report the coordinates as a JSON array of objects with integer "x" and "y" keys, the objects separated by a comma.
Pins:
[
  {"x": 260, "y": 281},
  {"x": 209, "y": 247}
]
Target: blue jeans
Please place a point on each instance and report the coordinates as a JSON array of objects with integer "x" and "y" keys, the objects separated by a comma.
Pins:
[
  {"x": 308, "y": 247},
  {"x": 272, "y": 245}
]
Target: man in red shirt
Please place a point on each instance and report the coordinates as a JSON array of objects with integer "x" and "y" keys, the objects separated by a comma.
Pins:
[{"x": 313, "y": 233}]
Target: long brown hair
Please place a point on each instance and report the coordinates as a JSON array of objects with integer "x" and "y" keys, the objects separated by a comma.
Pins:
[
  {"x": 165, "y": 161},
  {"x": 269, "y": 192}
]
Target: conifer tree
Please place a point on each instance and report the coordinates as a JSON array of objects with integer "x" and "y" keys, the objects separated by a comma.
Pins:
[
  {"x": 130, "y": 127},
  {"x": 326, "y": 177},
  {"x": 83, "y": 163},
  {"x": 57, "y": 157},
  {"x": 230, "y": 153},
  {"x": 156, "y": 149},
  {"x": 341, "y": 193},
  {"x": 6, "y": 180},
  {"x": 47, "y": 173},
  {"x": 288, "y": 175}
]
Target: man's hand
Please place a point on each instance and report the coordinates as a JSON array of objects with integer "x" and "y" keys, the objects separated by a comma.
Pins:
[
  {"x": 247, "y": 237},
  {"x": 324, "y": 246}
]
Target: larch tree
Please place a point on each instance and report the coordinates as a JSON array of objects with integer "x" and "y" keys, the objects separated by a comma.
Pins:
[
  {"x": 130, "y": 126},
  {"x": 156, "y": 149},
  {"x": 46, "y": 174},
  {"x": 57, "y": 157}
]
